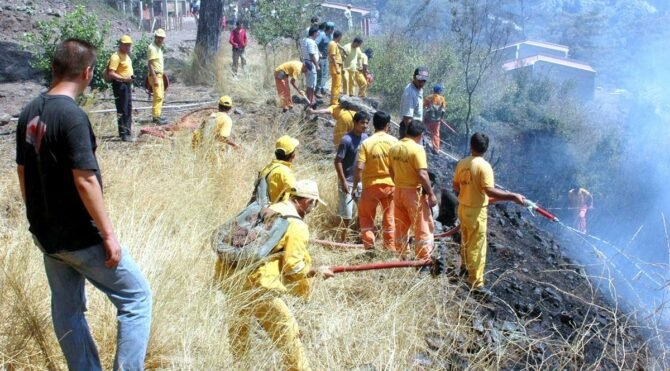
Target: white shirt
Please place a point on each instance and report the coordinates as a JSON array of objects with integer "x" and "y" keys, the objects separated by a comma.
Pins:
[
  {"x": 411, "y": 103},
  {"x": 309, "y": 47}
]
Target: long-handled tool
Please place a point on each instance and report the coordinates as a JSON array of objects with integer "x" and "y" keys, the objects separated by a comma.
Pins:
[
  {"x": 437, "y": 265},
  {"x": 448, "y": 127}
]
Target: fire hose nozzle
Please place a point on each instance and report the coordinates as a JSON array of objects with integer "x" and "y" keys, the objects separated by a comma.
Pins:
[{"x": 532, "y": 207}]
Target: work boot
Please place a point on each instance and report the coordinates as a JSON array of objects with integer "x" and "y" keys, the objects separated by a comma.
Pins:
[
  {"x": 318, "y": 95},
  {"x": 128, "y": 138},
  {"x": 160, "y": 121}
]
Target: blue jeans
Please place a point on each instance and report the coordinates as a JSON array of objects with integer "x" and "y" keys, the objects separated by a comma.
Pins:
[
  {"x": 124, "y": 285},
  {"x": 322, "y": 75}
]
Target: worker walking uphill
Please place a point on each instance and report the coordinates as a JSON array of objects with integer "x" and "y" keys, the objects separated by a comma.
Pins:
[
  {"x": 238, "y": 40},
  {"x": 216, "y": 130},
  {"x": 120, "y": 70},
  {"x": 580, "y": 202},
  {"x": 353, "y": 53},
  {"x": 375, "y": 171},
  {"x": 345, "y": 162},
  {"x": 433, "y": 113},
  {"x": 411, "y": 102},
  {"x": 474, "y": 183},
  {"x": 278, "y": 174},
  {"x": 413, "y": 197},
  {"x": 335, "y": 68},
  {"x": 156, "y": 71},
  {"x": 61, "y": 186},
  {"x": 344, "y": 120},
  {"x": 286, "y": 270},
  {"x": 285, "y": 72}
]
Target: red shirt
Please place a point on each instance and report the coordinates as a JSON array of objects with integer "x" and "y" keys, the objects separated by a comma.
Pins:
[{"x": 238, "y": 38}]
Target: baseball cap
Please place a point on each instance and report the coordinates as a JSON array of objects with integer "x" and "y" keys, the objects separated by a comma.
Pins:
[
  {"x": 438, "y": 88},
  {"x": 307, "y": 189},
  {"x": 125, "y": 39},
  {"x": 421, "y": 73},
  {"x": 160, "y": 32},
  {"x": 287, "y": 144},
  {"x": 226, "y": 101}
]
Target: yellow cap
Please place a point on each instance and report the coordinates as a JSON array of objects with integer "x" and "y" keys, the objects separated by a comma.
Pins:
[
  {"x": 125, "y": 39},
  {"x": 307, "y": 189},
  {"x": 287, "y": 144},
  {"x": 226, "y": 101},
  {"x": 160, "y": 32}
]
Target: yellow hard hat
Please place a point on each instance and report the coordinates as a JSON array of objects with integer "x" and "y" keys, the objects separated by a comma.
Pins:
[
  {"x": 287, "y": 144},
  {"x": 226, "y": 101},
  {"x": 160, "y": 32},
  {"x": 125, "y": 39}
]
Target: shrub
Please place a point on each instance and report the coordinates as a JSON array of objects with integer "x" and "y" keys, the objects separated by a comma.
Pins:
[{"x": 79, "y": 24}]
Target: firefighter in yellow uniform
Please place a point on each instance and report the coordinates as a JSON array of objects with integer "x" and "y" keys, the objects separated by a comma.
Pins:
[
  {"x": 344, "y": 120},
  {"x": 475, "y": 185},
  {"x": 279, "y": 173},
  {"x": 287, "y": 271},
  {"x": 350, "y": 62},
  {"x": 335, "y": 68},
  {"x": 363, "y": 72},
  {"x": 155, "y": 71},
  {"x": 217, "y": 129}
]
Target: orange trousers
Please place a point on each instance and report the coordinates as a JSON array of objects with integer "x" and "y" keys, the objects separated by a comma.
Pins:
[
  {"x": 367, "y": 211},
  {"x": 284, "y": 91},
  {"x": 412, "y": 210},
  {"x": 434, "y": 131}
]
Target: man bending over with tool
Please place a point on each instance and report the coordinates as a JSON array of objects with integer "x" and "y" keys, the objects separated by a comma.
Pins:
[{"x": 474, "y": 183}]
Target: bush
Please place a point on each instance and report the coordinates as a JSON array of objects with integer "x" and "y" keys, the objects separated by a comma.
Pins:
[{"x": 79, "y": 24}]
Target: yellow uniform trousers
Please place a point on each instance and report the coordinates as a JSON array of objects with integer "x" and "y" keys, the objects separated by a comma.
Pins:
[
  {"x": 473, "y": 242},
  {"x": 335, "y": 87},
  {"x": 158, "y": 93},
  {"x": 277, "y": 320},
  {"x": 349, "y": 82},
  {"x": 411, "y": 210},
  {"x": 274, "y": 316},
  {"x": 362, "y": 83}
]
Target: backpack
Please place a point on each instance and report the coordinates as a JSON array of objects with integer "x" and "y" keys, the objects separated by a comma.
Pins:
[
  {"x": 261, "y": 194},
  {"x": 250, "y": 236},
  {"x": 434, "y": 112}
]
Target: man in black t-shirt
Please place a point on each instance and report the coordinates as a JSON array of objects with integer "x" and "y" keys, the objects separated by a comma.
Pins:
[{"x": 62, "y": 189}]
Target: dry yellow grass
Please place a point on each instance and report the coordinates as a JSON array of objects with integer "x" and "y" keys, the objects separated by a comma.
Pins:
[{"x": 165, "y": 200}]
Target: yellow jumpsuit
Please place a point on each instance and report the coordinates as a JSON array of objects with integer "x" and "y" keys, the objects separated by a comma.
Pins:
[
  {"x": 335, "y": 78},
  {"x": 471, "y": 177},
  {"x": 285, "y": 272},
  {"x": 155, "y": 56}
]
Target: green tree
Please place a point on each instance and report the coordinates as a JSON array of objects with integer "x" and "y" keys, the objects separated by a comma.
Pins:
[
  {"x": 80, "y": 24},
  {"x": 281, "y": 19}
]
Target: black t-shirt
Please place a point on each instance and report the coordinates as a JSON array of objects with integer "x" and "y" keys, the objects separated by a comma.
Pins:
[{"x": 53, "y": 137}]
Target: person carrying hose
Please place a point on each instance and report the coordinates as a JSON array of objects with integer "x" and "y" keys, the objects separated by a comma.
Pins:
[
  {"x": 287, "y": 270},
  {"x": 475, "y": 185}
]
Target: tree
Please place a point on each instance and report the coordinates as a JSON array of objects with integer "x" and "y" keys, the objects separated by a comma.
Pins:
[
  {"x": 479, "y": 33},
  {"x": 209, "y": 30},
  {"x": 280, "y": 19}
]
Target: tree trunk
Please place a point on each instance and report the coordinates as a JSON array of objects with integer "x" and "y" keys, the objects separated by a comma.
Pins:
[{"x": 209, "y": 30}]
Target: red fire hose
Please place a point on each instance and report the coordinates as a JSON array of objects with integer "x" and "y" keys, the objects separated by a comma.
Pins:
[
  {"x": 384, "y": 265},
  {"x": 448, "y": 233},
  {"x": 532, "y": 206}
]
